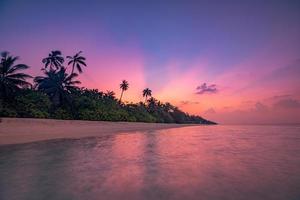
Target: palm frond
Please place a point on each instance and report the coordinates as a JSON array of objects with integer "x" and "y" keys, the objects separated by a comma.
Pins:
[
  {"x": 81, "y": 58},
  {"x": 78, "y": 68},
  {"x": 81, "y": 62},
  {"x": 17, "y": 68},
  {"x": 19, "y": 76}
]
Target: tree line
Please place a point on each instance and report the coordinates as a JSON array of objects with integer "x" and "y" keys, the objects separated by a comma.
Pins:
[{"x": 56, "y": 94}]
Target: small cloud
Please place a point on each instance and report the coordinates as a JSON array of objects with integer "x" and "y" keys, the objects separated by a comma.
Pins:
[
  {"x": 183, "y": 103},
  {"x": 287, "y": 103},
  {"x": 210, "y": 111},
  {"x": 227, "y": 107},
  {"x": 204, "y": 88},
  {"x": 260, "y": 107}
]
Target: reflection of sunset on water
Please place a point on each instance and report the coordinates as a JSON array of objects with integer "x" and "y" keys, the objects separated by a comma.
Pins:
[{"x": 212, "y": 162}]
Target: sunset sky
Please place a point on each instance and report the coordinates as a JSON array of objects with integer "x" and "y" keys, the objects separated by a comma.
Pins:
[{"x": 234, "y": 62}]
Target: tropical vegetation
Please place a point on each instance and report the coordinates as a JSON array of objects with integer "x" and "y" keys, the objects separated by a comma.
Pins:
[{"x": 56, "y": 94}]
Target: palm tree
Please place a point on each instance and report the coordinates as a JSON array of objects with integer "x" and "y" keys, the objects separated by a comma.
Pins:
[
  {"x": 54, "y": 60},
  {"x": 153, "y": 104},
  {"x": 168, "y": 107},
  {"x": 57, "y": 84},
  {"x": 76, "y": 61},
  {"x": 10, "y": 79},
  {"x": 123, "y": 86},
  {"x": 147, "y": 92},
  {"x": 109, "y": 95}
]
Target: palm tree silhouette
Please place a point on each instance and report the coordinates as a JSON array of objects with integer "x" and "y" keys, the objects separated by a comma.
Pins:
[
  {"x": 153, "y": 104},
  {"x": 57, "y": 84},
  {"x": 147, "y": 92},
  {"x": 123, "y": 86},
  {"x": 110, "y": 95},
  {"x": 54, "y": 60},
  {"x": 168, "y": 107},
  {"x": 77, "y": 61},
  {"x": 10, "y": 79}
]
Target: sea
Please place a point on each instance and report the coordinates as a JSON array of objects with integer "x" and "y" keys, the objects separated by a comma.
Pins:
[{"x": 222, "y": 162}]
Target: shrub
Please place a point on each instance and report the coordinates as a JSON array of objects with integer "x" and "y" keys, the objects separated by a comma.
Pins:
[
  {"x": 6, "y": 111},
  {"x": 61, "y": 113},
  {"x": 33, "y": 104}
]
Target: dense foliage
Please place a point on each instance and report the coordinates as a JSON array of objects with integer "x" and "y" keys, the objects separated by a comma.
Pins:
[{"x": 56, "y": 95}]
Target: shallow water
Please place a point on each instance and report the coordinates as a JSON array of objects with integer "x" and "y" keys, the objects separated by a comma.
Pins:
[{"x": 205, "y": 162}]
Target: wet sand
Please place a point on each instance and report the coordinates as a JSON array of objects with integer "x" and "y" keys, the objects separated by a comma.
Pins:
[{"x": 17, "y": 130}]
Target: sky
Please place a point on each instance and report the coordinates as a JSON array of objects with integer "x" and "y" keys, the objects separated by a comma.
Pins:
[{"x": 235, "y": 62}]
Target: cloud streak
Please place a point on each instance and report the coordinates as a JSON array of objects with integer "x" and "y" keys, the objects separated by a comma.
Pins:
[{"x": 183, "y": 103}]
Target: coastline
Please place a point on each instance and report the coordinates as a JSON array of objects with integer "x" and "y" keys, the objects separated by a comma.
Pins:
[{"x": 25, "y": 130}]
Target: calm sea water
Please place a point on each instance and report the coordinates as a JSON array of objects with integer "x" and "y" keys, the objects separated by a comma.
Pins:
[{"x": 208, "y": 162}]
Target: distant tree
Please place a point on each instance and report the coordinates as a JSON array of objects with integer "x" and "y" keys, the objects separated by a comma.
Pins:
[
  {"x": 57, "y": 84},
  {"x": 168, "y": 107},
  {"x": 153, "y": 104},
  {"x": 77, "y": 61},
  {"x": 123, "y": 86},
  {"x": 54, "y": 60},
  {"x": 147, "y": 92},
  {"x": 10, "y": 78},
  {"x": 110, "y": 95},
  {"x": 92, "y": 93}
]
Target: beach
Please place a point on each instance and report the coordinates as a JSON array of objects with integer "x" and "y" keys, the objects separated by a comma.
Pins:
[{"x": 24, "y": 130}]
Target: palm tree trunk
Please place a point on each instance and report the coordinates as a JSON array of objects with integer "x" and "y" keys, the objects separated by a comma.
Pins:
[
  {"x": 145, "y": 99},
  {"x": 72, "y": 69},
  {"x": 121, "y": 96}
]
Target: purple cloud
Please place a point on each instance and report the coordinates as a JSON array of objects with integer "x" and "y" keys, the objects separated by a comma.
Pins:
[
  {"x": 260, "y": 107},
  {"x": 204, "y": 88},
  {"x": 287, "y": 103}
]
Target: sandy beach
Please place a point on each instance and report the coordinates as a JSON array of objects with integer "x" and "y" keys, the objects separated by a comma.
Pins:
[{"x": 17, "y": 130}]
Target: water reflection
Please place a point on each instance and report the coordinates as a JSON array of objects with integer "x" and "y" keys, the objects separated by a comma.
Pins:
[{"x": 212, "y": 162}]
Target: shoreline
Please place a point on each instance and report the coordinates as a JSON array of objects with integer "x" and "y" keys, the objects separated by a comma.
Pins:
[{"x": 26, "y": 130}]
